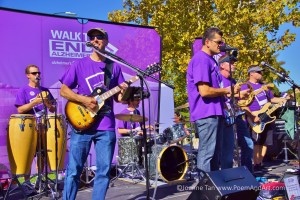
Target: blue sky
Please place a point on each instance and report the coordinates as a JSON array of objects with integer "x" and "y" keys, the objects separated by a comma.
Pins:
[{"x": 98, "y": 9}]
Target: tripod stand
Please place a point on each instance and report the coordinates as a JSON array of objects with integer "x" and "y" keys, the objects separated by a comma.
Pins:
[{"x": 135, "y": 171}]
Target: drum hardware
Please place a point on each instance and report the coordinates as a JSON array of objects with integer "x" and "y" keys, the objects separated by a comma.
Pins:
[
  {"x": 88, "y": 173},
  {"x": 135, "y": 171},
  {"x": 175, "y": 133},
  {"x": 130, "y": 117}
]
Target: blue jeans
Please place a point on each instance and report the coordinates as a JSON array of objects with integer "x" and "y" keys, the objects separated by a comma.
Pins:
[
  {"x": 227, "y": 147},
  {"x": 210, "y": 143},
  {"x": 80, "y": 144},
  {"x": 245, "y": 142}
]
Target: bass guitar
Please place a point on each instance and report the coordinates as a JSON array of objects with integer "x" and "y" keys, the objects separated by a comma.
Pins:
[
  {"x": 82, "y": 118},
  {"x": 265, "y": 117},
  {"x": 246, "y": 102}
]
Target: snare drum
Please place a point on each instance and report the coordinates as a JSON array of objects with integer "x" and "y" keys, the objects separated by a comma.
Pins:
[
  {"x": 125, "y": 153},
  {"x": 172, "y": 162},
  {"x": 61, "y": 141},
  {"x": 21, "y": 142},
  {"x": 175, "y": 133}
]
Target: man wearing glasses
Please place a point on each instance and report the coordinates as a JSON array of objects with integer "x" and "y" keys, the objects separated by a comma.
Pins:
[
  {"x": 263, "y": 96},
  {"x": 33, "y": 99},
  {"x": 205, "y": 95},
  {"x": 244, "y": 138},
  {"x": 29, "y": 98},
  {"x": 87, "y": 74}
]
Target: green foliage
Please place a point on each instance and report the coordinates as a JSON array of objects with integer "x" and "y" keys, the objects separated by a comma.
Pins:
[{"x": 251, "y": 25}]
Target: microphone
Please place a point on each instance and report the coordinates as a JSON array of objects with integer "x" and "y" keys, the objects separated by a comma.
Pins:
[
  {"x": 227, "y": 48},
  {"x": 267, "y": 65},
  {"x": 282, "y": 75},
  {"x": 89, "y": 44},
  {"x": 37, "y": 78}
]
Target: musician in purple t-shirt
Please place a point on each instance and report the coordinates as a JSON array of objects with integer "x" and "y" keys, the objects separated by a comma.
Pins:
[
  {"x": 124, "y": 127},
  {"x": 206, "y": 101},
  {"x": 262, "y": 98},
  {"x": 29, "y": 98},
  {"x": 34, "y": 99},
  {"x": 88, "y": 74},
  {"x": 243, "y": 135}
]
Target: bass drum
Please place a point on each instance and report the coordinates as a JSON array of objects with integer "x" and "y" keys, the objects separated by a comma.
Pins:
[
  {"x": 172, "y": 162},
  {"x": 21, "y": 142}
]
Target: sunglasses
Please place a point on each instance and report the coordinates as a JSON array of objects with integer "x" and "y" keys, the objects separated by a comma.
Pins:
[
  {"x": 35, "y": 73},
  {"x": 99, "y": 37},
  {"x": 218, "y": 42},
  {"x": 259, "y": 72}
]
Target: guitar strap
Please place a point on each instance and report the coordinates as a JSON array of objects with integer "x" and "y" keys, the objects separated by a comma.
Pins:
[{"x": 108, "y": 72}]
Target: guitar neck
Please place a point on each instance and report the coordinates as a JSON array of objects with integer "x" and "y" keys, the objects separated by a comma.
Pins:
[
  {"x": 274, "y": 107},
  {"x": 115, "y": 90}
]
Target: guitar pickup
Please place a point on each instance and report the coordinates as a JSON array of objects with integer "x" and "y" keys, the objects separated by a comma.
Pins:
[{"x": 80, "y": 110}]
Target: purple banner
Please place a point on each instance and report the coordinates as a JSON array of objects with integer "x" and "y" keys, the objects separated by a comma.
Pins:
[{"x": 53, "y": 43}]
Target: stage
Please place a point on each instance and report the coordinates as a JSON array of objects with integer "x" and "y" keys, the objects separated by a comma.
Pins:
[{"x": 126, "y": 188}]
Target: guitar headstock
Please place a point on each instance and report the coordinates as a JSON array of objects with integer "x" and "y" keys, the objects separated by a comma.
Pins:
[
  {"x": 269, "y": 85},
  {"x": 153, "y": 68}
]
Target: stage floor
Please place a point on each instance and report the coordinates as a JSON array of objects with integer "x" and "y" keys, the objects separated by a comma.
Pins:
[{"x": 125, "y": 188}]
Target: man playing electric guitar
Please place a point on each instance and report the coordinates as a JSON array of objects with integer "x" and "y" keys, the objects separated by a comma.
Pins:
[
  {"x": 265, "y": 138},
  {"x": 87, "y": 74}
]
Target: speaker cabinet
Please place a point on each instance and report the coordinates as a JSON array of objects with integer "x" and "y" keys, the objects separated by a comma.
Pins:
[{"x": 230, "y": 184}]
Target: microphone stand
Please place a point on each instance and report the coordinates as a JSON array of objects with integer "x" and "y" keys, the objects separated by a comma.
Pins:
[
  {"x": 285, "y": 78},
  {"x": 233, "y": 106},
  {"x": 42, "y": 129},
  {"x": 141, "y": 74}
]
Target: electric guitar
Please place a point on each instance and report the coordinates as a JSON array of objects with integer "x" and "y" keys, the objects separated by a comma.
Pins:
[
  {"x": 264, "y": 115},
  {"x": 82, "y": 118},
  {"x": 246, "y": 102}
]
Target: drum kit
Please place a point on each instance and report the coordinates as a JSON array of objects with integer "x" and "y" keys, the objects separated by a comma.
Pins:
[
  {"x": 167, "y": 159},
  {"x": 28, "y": 136}
]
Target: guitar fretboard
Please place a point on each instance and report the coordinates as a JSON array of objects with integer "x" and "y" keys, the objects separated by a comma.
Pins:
[{"x": 115, "y": 90}]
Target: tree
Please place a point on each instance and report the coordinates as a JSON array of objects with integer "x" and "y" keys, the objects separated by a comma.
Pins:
[{"x": 251, "y": 25}]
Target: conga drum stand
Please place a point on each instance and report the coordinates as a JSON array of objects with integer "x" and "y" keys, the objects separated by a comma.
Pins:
[{"x": 42, "y": 183}]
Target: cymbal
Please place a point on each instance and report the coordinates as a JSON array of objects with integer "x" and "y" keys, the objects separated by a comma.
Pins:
[
  {"x": 130, "y": 117},
  {"x": 186, "y": 105}
]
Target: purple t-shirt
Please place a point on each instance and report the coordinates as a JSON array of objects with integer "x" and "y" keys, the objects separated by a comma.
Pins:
[
  {"x": 226, "y": 82},
  {"x": 87, "y": 75},
  {"x": 203, "y": 68},
  {"x": 127, "y": 125},
  {"x": 260, "y": 99},
  {"x": 27, "y": 94}
]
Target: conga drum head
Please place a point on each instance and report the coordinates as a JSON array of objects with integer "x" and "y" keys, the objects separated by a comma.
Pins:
[{"x": 21, "y": 142}]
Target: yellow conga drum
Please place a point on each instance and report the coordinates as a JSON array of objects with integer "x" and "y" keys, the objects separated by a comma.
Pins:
[
  {"x": 61, "y": 141},
  {"x": 21, "y": 142}
]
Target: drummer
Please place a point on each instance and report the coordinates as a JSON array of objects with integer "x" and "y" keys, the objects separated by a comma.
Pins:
[
  {"x": 132, "y": 99},
  {"x": 33, "y": 98},
  {"x": 125, "y": 127}
]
